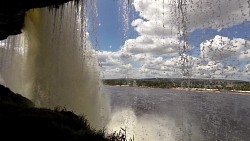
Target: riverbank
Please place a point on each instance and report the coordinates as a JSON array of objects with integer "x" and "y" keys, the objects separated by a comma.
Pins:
[
  {"x": 176, "y": 83},
  {"x": 213, "y": 90},
  {"x": 192, "y": 89}
]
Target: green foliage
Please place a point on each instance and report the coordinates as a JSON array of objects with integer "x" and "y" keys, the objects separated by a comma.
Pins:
[{"x": 184, "y": 83}]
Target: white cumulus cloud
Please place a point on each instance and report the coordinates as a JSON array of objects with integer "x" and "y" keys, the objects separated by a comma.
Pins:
[{"x": 158, "y": 49}]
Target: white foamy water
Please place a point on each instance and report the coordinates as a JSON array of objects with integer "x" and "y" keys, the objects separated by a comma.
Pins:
[
  {"x": 53, "y": 64},
  {"x": 145, "y": 128}
]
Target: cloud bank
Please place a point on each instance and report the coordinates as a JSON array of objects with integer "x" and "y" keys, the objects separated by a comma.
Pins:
[{"x": 161, "y": 50}]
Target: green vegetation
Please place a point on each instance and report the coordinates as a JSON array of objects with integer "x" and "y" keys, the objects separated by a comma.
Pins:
[{"x": 218, "y": 84}]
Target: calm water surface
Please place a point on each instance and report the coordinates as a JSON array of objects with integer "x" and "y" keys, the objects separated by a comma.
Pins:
[{"x": 185, "y": 115}]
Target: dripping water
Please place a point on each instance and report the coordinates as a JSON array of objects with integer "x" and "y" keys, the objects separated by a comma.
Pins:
[
  {"x": 124, "y": 11},
  {"x": 56, "y": 65},
  {"x": 180, "y": 11}
]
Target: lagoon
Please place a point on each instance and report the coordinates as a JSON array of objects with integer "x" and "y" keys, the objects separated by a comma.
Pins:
[{"x": 179, "y": 115}]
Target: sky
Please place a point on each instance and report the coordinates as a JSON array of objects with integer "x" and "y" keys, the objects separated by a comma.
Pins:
[{"x": 166, "y": 39}]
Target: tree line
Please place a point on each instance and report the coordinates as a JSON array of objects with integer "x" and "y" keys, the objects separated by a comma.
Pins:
[{"x": 184, "y": 83}]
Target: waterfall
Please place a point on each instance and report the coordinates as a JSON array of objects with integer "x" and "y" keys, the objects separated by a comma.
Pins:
[{"x": 56, "y": 65}]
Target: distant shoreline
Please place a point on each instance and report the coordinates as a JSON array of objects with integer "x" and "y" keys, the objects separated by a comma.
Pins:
[
  {"x": 192, "y": 89},
  {"x": 215, "y": 85},
  {"x": 212, "y": 90}
]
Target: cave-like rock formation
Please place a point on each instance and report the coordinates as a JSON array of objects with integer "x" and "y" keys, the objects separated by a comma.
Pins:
[{"x": 12, "y": 13}]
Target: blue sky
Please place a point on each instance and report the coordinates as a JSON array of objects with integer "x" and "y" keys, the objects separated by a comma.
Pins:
[
  {"x": 110, "y": 31},
  {"x": 110, "y": 34},
  {"x": 152, "y": 47}
]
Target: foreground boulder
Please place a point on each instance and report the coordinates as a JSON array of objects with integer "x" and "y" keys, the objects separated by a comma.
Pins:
[
  {"x": 7, "y": 97},
  {"x": 20, "y": 120}
]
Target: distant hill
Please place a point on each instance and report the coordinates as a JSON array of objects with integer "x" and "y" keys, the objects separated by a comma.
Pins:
[{"x": 220, "y": 84}]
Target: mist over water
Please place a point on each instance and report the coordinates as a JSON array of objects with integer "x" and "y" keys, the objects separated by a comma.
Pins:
[
  {"x": 177, "y": 115},
  {"x": 142, "y": 128}
]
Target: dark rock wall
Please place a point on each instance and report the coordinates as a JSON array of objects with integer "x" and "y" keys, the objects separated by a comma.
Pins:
[{"x": 12, "y": 13}]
